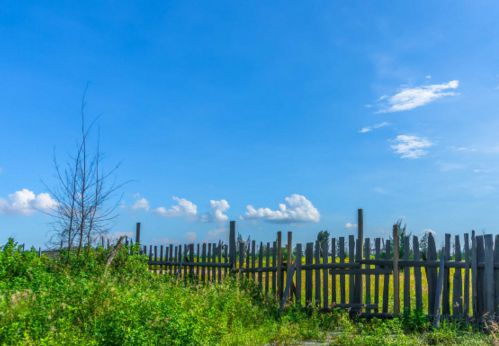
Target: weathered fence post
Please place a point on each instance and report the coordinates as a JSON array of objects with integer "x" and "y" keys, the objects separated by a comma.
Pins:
[
  {"x": 289, "y": 258},
  {"x": 396, "y": 278},
  {"x": 358, "y": 258},
  {"x": 232, "y": 246},
  {"x": 137, "y": 233},
  {"x": 438, "y": 290},
  {"x": 279, "y": 265}
]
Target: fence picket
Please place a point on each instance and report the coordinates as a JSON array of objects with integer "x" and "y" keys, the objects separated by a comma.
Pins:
[
  {"x": 308, "y": 273},
  {"x": 407, "y": 278},
  {"x": 325, "y": 276},
  {"x": 417, "y": 274},
  {"x": 298, "y": 273},
  {"x": 377, "y": 253},
  {"x": 333, "y": 275},
  {"x": 446, "y": 284},
  {"x": 457, "y": 285},
  {"x": 317, "y": 275},
  {"x": 342, "y": 276},
  {"x": 386, "y": 282}
]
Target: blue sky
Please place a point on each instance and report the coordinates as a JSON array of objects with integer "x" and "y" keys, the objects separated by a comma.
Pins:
[{"x": 324, "y": 107}]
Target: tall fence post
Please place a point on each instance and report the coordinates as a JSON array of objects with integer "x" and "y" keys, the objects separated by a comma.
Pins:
[
  {"x": 358, "y": 258},
  {"x": 137, "y": 233},
  {"x": 279, "y": 265},
  {"x": 232, "y": 246},
  {"x": 396, "y": 278}
]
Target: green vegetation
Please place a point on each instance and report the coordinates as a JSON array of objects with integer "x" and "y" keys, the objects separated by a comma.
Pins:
[{"x": 77, "y": 301}]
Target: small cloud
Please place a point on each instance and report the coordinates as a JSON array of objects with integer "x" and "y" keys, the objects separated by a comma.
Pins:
[
  {"x": 217, "y": 213},
  {"x": 411, "y": 98},
  {"x": 411, "y": 147},
  {"x": 367, "y": 129},
  {"x": 183, "y": 208},
  {"x": 350, "y": 225},
  {"x": 141, "y": 204},
  {"x": 428, "y": 76},
  {"x": 191, "y": 236},
  {"x": 296, "y": 208},
  {"x": 26, "y": 202}
]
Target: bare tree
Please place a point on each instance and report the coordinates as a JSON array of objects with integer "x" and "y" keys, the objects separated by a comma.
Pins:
[{"x": 85, "y": 193}]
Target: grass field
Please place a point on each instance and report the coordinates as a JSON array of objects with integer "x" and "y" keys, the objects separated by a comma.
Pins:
[{"x": 79, "y": 301}]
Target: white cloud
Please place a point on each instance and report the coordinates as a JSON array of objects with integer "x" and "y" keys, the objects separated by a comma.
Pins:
[
  {"x": 411, "y": 147},
  {"x": 191, "y": 236},
  {"x": 410, "y": 98},
  {"x": 26, "y": 202},
  {"x": 217, "y": 213},
  {"x": 350, "y": 225},
  {"x": 141, "y": 203},
  {"x": 297, "y": 208},
  {"x": 367, "y": 129},
  {"x": 183, "y": 208}
]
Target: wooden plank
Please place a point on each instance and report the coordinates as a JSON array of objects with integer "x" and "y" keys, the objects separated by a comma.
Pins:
[
  {"x": 220, "y": 261},
  {"x": 438, "y": 290},
  {"x": 386, "y": 281},
  {"x": 241, "y": 259},
  {"x": 467, "y": 258},
  {"x": 367, "y": 255},
  {"x": 214, "y": 262},
  {"x": 260, "y": 265},
  {"x": 377, "y": 254},
  {"x": 232, "y": 245},
  {"x": 496, "y": 275},
  {"x": 298, "y": 273},
  {"x": 289, "y": 251},
  {"x": 333, "y": 276},
  {"x": 309, "y": 255},
  {"x": 446, "y": 285},
  {"x": 137, "y": 233},
  {"x": 431, "y": 274},
  {"x": 474, "y": 276},
  {"x": 248, "y": 259},
  {"x": 274, "y": 268},
  {"x": 267, "y": 266},
  {"x": 155, "y": 258},
  {"x": 396, "y": 277},
  {"x": 457, "y": 283},
  {"x": 209, "y": 261},
  {"x": 198, "y": 259},
  {"x": 342, "y": 276},
  {"x": 480, "y": 250},
  {"x": 175, "y": 265},
  {"x": 253, "y": 259},
  {"x": 167, "y": 257},
  {"x": 325, "y": 276},
  {"x": 351, "y": 277},
  {"x": 407, "y": 278},
  {"x": 191, "y": 260},
  {"x": 203, "y": 259},
  {"x": 289, "y": 282},
  {"x": 317, "y": 275},
  {"x": 418, "y": 288},
  {"x": 489, "y": 276},
  {"x": 280, "y": 287},
  {"x": 359, "y": 250},
  {"x": 161, "y": 259},
  {"x": 171, "y": 259},
  {"x": 226, "y": 260}
]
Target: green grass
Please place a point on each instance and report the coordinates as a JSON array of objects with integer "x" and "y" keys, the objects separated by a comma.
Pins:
[{"x": 47, "y": 301}]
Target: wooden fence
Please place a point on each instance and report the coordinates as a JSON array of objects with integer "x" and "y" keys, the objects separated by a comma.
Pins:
[{"x": 370, "y": 277}]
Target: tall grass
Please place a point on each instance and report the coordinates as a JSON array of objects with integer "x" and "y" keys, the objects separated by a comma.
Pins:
[{"x": 47, "y": 301}]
